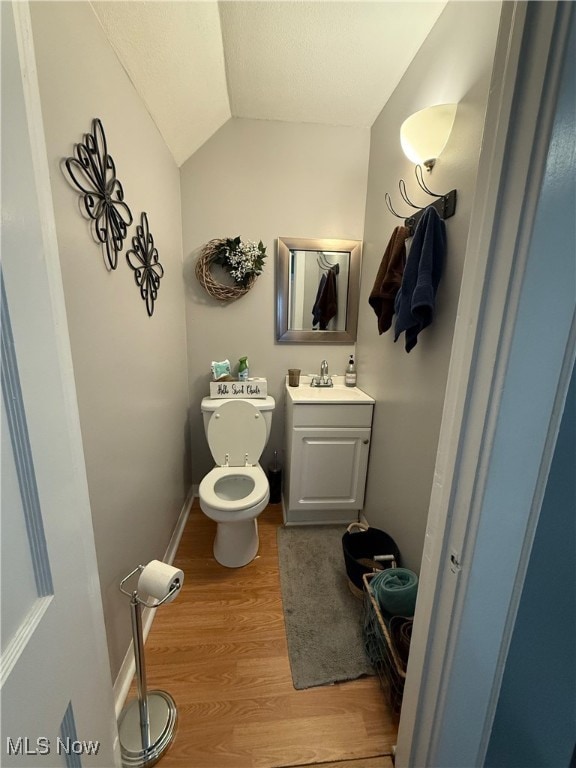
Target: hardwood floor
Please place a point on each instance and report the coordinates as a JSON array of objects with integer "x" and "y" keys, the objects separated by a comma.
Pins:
[{"x": 220, "y": 650}]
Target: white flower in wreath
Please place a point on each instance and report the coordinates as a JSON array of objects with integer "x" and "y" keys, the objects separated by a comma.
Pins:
[{"x": 243, "y": 260}]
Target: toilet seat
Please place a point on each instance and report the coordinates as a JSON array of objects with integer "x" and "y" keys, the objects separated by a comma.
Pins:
[
  {"x": 236, "y": 434},
  {"x": 213, "y": 488}
]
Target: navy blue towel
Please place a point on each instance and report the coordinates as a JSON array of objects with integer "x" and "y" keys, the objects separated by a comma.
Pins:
[
  {"x": 414, "y": 303},
  {"x": 316, "y": 307},
  {"x": 326, "y": 304}
]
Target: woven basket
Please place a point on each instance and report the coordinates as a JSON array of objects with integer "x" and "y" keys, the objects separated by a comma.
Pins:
[
  {"x": 204, "y": 275},
  {"x": 380, "y": 643}
]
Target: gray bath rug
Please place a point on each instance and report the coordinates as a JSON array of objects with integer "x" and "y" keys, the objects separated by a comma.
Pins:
[{"x": 323, "y": 619}]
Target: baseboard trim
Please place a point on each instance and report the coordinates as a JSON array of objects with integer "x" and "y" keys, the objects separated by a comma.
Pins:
[{"x": 128, "y": 668}]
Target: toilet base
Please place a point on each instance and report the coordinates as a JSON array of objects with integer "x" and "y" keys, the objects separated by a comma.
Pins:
[{"x": 236, "y": 544}]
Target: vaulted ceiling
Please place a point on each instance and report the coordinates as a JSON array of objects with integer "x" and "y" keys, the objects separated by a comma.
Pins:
[{"x": 196, "y": 63}]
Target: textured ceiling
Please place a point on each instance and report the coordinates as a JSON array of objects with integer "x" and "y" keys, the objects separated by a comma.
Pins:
[{"x": 196, "y": 63}]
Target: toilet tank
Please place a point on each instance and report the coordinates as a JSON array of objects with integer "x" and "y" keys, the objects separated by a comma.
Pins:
[{"x": 265, "y": 405}]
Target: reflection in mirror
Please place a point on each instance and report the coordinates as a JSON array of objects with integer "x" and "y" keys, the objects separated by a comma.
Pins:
[
  {"x": 318, "y": 287},
  {"x": 311, "y": 274}
]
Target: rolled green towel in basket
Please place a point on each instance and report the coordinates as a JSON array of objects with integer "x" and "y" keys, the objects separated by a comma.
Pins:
[{"x": 395, "y": 590}]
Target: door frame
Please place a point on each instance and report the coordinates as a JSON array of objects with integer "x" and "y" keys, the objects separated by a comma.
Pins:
[
  {"x": 52, "y": 313},
  {"x": 451, "y": 694}
]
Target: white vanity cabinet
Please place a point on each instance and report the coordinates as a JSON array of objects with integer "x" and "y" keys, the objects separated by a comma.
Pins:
[{"x": 327, "y": 449}]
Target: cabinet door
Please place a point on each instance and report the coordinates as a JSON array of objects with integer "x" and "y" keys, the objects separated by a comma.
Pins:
[{"x": 328, "y": 468}]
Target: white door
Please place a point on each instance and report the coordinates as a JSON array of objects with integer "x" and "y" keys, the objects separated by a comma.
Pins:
[{"x": 56, "y": 692}]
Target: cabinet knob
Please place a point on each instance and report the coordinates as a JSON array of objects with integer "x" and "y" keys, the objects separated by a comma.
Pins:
[{"x": 365, "y": 442}]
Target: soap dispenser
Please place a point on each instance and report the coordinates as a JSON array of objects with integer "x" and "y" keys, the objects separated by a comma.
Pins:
[{"x": 350, "y": 376}]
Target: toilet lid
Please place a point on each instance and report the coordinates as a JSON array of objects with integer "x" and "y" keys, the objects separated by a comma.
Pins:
[{"x": 237, "y": 428}]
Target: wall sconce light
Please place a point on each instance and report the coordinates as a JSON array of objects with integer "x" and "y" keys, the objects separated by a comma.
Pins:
[{"x": 424, "y": 134}]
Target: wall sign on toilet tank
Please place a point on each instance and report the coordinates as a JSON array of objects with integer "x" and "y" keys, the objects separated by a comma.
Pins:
[{"x": 253, "y": 388}]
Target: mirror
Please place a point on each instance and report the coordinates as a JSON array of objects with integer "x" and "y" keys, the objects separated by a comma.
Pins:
[{"x": 318, "y": 288}]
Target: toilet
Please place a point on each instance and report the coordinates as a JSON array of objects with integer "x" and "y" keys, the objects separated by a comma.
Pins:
[{"x": 236, "y": 491}]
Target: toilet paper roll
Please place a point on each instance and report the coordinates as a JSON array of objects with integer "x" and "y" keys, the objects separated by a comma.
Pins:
[{"x": 157, "y": 579}]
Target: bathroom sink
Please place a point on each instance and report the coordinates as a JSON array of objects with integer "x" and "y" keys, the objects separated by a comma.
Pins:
[{"x": 339, "y": 393}]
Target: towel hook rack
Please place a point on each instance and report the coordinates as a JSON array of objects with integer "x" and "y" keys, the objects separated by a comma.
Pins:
[
  {"x": 444, "y": 204},
  {"x": 388, "y": 201},
  {"x": 404, "y": 196},
  {"x": 324, "y": 264},
  {"x": 422, "y": 184}
]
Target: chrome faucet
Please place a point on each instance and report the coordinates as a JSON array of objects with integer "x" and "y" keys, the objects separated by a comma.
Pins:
[{"x": 323, "y": 380}]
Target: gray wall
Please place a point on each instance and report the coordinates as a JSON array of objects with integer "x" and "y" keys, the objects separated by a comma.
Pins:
[
  {"x": 130, "y": 370},
  {"x": 263, "y": 180},
  {"x": 453, "y": 65}
]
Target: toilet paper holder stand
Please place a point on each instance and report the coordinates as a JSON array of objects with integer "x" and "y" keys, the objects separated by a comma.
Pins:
[{"x": 146, "y": 725}]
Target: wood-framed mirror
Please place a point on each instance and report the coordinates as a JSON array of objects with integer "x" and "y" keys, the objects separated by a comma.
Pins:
[{"x": 317, "y": 290}]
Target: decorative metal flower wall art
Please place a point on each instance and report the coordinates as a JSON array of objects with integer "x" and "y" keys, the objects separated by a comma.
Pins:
[
  {"x": 143, "y": 259},
  {"x": 93, "y": 172}
]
